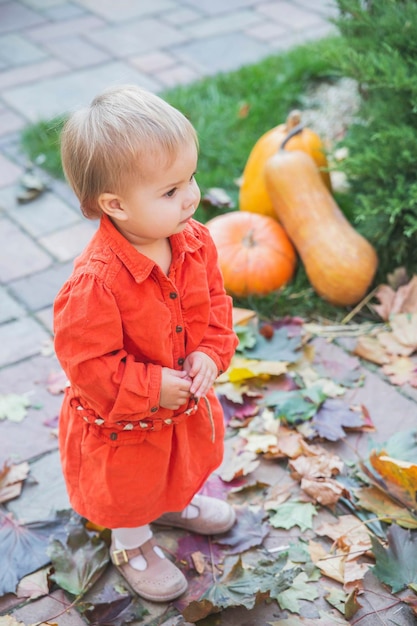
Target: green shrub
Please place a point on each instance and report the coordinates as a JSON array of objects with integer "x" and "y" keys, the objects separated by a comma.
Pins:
[{"x": 379, "y": 50}]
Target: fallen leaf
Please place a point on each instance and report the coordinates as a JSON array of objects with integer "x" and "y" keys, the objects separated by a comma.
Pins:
[
  {"x": 396, "y": 565},
  {"x": 354, "y": 574},
  {"x": 400, "y": 477},
  {"x": 321, "y": 465},
  {"x": 24, "y": 547},
  {"x": 292, "y": 514},
  {"x": 325, "y": 619},
  {"x": 344, "y": 372},
  {"x": 57, "y": 382},
  {"x": 324, "y": 491},
  {"x": 348, "y": 534},
  {"x": 352, "y": 605},
  {"x": 292, "y": 406},
  {"x": 248, "y": 531},
  {"x": 393, "y": 346},
  {"x": 370, "y": 349},
  {"x": 79, "y": 560},
  {"x": 333, "y": 566},
  {"x": 387, "y": 510},
  {"x": 13, "y": 407},
  {"x": 11, "y": 479},
  {"x": 403, "y": 300},
  {"x": 199, "y": 561},
  {"x": 333, "y": 416},
  {"x": 115, "y": 609},
  {"x": 9, "y": 620},
  {"x": 34, "y": 585},
  {"x": 398, "y": 277},
  {"x": 404, "y": 328},
  {"x": 202, "y": 544},
  {"x": 280, "y": 347},
  {"x": 401, "y": 370},
  {"x": 337, "y": 598},
  {"x": 217, "y": 197},
  {"x": 242, "y": 369},
  {"x": 301, "y": 589},
  {"x": 238, "y": 465},
  {"x": 237, "y": 588},
  {"x": 242, "y": 316}
]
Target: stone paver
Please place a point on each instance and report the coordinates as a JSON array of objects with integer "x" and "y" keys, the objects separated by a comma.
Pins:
[
  {"x": 10, "y": 309},
  {"x": 44, "y": 215},
  {"x": 38, "y": 291},
  {"x": 20, "y": 255},
  {"x": 20, "y": 339},
  {"x": 55, "y": 55},
  {"x": 9, "y": 172},
  {"x": 45, "y": 99}
]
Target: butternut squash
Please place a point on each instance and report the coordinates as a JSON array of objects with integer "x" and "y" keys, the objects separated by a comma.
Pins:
[
  {"x": 339, "y": 262},
  {"x": 253, "y": 195}
]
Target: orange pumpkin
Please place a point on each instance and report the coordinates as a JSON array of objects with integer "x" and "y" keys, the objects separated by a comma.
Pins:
[
  {"x": 253, "y": 194},
  {"x": 255, "y": 254}
]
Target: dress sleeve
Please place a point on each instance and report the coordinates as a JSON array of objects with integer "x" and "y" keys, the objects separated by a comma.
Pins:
[
  {"x": 219, "y": 341},
  {"x": 89, "y": 345}
]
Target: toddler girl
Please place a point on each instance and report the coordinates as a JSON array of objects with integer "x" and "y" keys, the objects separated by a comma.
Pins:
[{"x": 143, "y": 327}]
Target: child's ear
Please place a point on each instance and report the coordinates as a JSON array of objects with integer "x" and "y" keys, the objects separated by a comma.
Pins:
[{"x": 112, "y": 206}]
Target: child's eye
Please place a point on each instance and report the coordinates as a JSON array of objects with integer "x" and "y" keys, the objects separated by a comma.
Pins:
[{"x": 171, "y": 192}]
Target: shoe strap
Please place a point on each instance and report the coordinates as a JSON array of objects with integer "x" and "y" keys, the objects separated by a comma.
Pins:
[{"x": 123, "y": 556}]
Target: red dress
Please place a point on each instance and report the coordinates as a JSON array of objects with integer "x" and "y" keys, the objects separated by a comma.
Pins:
[{"x": 118, "y": 320}]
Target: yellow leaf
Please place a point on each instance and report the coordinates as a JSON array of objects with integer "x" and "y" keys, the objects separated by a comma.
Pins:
[
  {"x": 375, "y": 500},
  {"x": 401, "y": 370},
  {"x": 399, "y": 476}
]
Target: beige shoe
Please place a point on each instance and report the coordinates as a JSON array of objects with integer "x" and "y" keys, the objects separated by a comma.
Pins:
[
  {"x": 161, "y": 581},
  {"x": 215, "y": 517}
]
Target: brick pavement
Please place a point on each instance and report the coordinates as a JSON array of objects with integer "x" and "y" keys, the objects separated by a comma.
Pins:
[{"x": 55, "y": 55}]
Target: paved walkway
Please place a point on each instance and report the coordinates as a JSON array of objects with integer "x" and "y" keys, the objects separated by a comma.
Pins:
[{"x": 55, "y": 55}]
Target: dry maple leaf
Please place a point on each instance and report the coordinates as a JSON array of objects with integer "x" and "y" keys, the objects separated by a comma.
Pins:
[
  {"x": 348, "y": 533},
  {"x": 324, "y": 491},
  {"x": 401, "y": 370},
  {"x": 11, "y": 479},
  {"x": 404, "y": 328},
  {"x": 400, "y": 477},
  {"x": 371, "y": 349},
  {"x": 404, "y": 300},
  {"x": 324, "y": 466}
]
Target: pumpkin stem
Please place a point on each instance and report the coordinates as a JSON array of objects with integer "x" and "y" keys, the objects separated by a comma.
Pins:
[
  {"x": 248, "y": 240},
  {"x": 294, "y": 131},
  {"x": 293, "y": 119}
]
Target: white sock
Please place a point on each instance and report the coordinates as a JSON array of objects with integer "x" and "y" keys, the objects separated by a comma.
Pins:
[{"x": 129, "y": 538}]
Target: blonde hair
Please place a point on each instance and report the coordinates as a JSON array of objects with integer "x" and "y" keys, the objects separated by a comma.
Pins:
[{"x": 107, "y": 145}]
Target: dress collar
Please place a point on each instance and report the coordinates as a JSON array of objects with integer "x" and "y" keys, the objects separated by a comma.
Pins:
[{"x": 139, "y": 265}]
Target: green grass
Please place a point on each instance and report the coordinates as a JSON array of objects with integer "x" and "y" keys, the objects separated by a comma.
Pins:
[{"x": 230, "y": 112}]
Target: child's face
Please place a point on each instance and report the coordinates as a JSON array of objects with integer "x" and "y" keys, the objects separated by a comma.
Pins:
[{"x": 160, "y": 206}]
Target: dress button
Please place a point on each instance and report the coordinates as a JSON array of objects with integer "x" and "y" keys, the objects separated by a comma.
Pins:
[
  {"x": 113, "y": 436},
  {"x": 154, "y": 409},
  {"x": 173, "y": 295},
  {"x": 178, "y": 329},
  {"x": 180, "y": 361}
]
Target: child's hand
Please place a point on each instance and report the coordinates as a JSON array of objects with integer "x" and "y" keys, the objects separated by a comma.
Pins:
[
  {"x": 175, "y": 388},
  {"x": 203, "y": 372}
]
